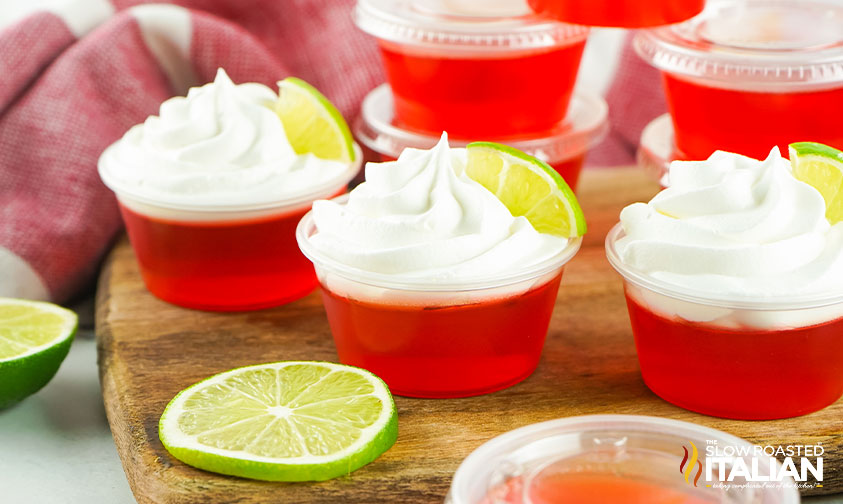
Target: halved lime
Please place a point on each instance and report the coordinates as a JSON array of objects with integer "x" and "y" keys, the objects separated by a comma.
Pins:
[
  {"x": 822, "y": 167},
  {"x": 528, "y": 187},
  {"x": 312, "y": 123},
  {"x": 284, "y": 421},
  {"x": 34, "y": 340}
]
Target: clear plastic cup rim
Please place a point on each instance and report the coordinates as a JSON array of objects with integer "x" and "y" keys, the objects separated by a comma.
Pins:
[
  {"x": 698, "y": 48},
  {"x": 480, "y": 462},
  {"x": 307, "y": 227},
  {"x": 656, "y": 149},
  {"x": 584, "y": 126},
  {"x": 320, "y": 191},
  {"x": 773, "y": 303},
  {"x": 404, "y": 22}
]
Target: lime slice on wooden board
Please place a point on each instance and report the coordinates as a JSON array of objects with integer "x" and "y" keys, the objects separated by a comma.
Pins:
[
  {"x": 284, "y": 421},
  {"x": 528, "y": 187},
  {"x": 34, "y": 340}
]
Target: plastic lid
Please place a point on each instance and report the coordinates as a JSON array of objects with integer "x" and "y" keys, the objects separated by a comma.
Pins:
[
  {"x": 463, "y": 25},
  {"x": 584, "y": 126},
  {"x": 657, "y": 149},
  {"x": 642, "y": 451},
  {"x": 753, "y": 44}
]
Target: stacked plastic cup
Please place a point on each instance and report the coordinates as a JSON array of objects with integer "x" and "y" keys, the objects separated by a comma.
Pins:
[
  {"x": 492, "y": 71},
  {"x": 745, "y": 75}
]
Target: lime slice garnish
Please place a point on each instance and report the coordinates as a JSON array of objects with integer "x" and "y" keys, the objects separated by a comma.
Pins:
[
  {"x": 312, "y": 123},
  {"x": 284, "y": 421},
  {"x": 821, "y": 166},
  {"x": 528, "y": 187},
  {"x": 34, "y": 340}
]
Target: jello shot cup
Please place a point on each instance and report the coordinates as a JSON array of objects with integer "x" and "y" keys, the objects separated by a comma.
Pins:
[
  {"x": 439, "y": 339},
  {"x": 619, "y": 13},
  {"x": 733, "y": 357},
  {"x": 222, "y": 257},
  {"x": 211, "y": 191},
  {"x": 474, "y": 69},
  {"x": 743, "y": 76},
  {"x": 563, "y": 147},
  {"x": 598, "y": 459}
]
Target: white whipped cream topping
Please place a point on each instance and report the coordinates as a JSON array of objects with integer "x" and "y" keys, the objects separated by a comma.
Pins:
[
  {"x": 223, "y": 144},
  {"x": 737, "y": 228},
  {"x": 422, "y": 217}
]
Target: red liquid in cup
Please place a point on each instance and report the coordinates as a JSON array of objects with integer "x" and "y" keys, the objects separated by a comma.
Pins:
[
  {"x": 221, "y": 266},
  {"x": 746, "y": 374},
  {"x": 482, "y": 96},
  {"x": 569, "y": 169},
  {"x": 706, "y": 119},
  {"x": 623, "y": 13},
  {"x": 444, "y": 351},
  {"x": 589, "y": 488}
]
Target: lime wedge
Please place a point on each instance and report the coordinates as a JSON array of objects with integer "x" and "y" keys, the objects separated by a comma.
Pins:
[
  {"x": 822, "y": 167},
  {"x": 284, "y": 421},
  {"x": 34, "y": 340},
  {"x": 528, "y": 187},
  {"x": 312, "y": 123}
]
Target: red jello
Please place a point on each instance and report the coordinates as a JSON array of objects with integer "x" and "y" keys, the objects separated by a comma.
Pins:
[
  {"x": 619, "y": 13},
  {"x": 744, "y": 373},
  {"x": 708, "y": 118},
  {"x": 747, "y": 359},
  {"x": 444, "y": 349},
  {"x": 563, "y": 147},
  {"x": 225, "y": 265},
  {"x": 744, "y": 76},
  {"x": 439, "y": 338},
  {"x": 474, "y": 71}
]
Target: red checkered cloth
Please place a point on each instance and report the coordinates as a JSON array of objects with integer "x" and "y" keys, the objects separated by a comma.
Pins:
[
  {"x": 75, "y": 80},
  {"x": 73, "y": 84}
]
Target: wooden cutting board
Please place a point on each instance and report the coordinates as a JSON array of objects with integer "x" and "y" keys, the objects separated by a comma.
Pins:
[{"x": 149, "y": 350}]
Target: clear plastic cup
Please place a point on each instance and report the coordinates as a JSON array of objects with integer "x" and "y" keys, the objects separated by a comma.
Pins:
[
  {"x": 563, "y": 147},
  {"x": 221, "y": 257},
  {"x": 743, "y": 76},
  {"x": 600, "y": 459},
  {"x": 438, "y": 339},
  {"x": 657, "y": 149},
  {"x": 474, "y": 69},
  {"x": 747, "y": 359},
  {"x": 619, "y": 13}
]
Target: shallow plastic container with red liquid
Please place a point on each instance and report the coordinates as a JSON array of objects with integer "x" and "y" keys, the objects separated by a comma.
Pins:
[
  {"x": 602, "y": 459},
  {"x": 474, "y": 69},
  {"x": 743, "y": 76}
]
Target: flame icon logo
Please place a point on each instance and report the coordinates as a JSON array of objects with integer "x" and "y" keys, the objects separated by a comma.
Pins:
[{"x": 686, "y": 467}]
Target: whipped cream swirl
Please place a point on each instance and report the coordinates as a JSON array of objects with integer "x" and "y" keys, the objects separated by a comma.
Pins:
[
  {"x": 422, "y": 217},
  {"x": 223, "y": 144},
  {"x": 737, "y": 227}
]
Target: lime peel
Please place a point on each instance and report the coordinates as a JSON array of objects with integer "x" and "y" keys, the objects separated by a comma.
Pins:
[
  {"x": 312, "y": 123},
  {"x": 821, "y": 166},
  {"x": 35, "y": 338},
  {"x": 528, "y": 187}
]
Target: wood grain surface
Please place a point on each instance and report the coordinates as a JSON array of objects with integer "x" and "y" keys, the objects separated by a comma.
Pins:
[{"x": 149, "y": 350}]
